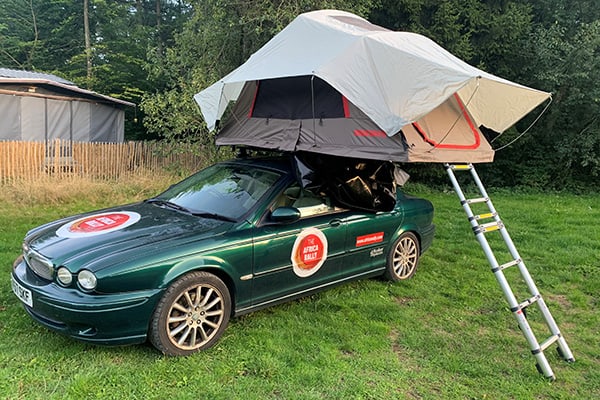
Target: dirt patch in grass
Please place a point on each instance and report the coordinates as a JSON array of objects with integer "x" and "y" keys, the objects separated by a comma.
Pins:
[
  {"x": 403, "y": 301},
  {"x": 559, "y": 299}
]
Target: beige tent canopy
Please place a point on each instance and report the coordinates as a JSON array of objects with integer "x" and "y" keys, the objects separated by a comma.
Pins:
[{"x": 402, "y": 89}]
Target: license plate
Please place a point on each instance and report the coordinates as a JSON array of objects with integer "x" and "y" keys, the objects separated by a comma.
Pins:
[{"x": 22, "y": 293}]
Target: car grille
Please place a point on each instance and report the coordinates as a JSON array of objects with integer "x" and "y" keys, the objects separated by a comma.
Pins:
[{"x": 39, "y": 264}]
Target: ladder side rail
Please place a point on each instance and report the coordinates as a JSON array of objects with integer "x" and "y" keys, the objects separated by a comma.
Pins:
[
  {"x": 508, "y": 240},
  {"x": 504, "y": 285},
  {"x": 483, "y": 192},
  {"x": 532, "y": 287},
  {"x": 547, "y": 316},
  {"x": 517, "y": 311}
]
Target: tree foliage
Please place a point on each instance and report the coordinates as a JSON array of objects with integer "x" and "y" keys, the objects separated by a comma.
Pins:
[{"x": 159, "y": 53}]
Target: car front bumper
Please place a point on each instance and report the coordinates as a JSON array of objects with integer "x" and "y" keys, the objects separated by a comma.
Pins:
[{"x": 111, "y": 319}]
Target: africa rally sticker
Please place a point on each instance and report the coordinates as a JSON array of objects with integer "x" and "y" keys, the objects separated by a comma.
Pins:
[
  {"x": 98, "y": 224},
  {"x": 309, "y": 252}
]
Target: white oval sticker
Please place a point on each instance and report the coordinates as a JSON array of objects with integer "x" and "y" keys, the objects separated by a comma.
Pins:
[
  {"x": 309, "y": 252},
  {"x": 98, "y": 224}
]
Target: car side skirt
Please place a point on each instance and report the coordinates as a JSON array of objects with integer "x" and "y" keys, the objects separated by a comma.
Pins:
[{"x": 307, "y": 292}]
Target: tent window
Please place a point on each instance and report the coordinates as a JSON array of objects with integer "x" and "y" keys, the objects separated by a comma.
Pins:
[
  {"x": 472, "y": 146},
  {"x": 291, "y": 98}
]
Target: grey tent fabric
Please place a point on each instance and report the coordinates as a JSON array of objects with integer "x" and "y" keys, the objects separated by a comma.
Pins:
[
  {"x": 33, "y": 125},
  {"x": 38, "y": 119},
  {"x": 11, "y": 110},
  {"x": 306, "y": 114},
  {"x": 287, "y": 123}
]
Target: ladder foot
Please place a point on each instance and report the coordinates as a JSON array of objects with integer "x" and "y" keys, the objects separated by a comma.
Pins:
[
  {"x": 539, "y": 369},
  {"x": 562, "y": 355}
]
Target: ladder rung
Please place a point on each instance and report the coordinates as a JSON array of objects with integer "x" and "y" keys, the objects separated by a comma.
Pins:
[
  {"x": 485, "y": 216},
  {"x": 508, "y": 264},
  {"x": 461, "y": 167},
  {"x": 548, "y": 342},
  {"x": 476, "y": 200},
  {"x": 489, "y": 227},
  {"x": 526, "y": 303}
]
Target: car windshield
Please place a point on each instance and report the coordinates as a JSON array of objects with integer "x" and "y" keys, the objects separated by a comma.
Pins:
[{"x": 224, "y": 191}]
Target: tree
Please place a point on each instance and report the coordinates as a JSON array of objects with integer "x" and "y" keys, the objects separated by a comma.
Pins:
[
  {"x": 102, "y": 45},
  {"x": 39, "y": 35},
  {"x": 561, "y": 56},
  {"x": 86, "y": 34}
]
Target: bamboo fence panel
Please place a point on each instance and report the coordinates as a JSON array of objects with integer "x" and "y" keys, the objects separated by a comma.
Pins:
[{"x": 64, "y": 159}]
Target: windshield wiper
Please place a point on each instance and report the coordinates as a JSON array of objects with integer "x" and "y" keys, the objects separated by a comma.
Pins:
[
  {"x": 168, "y": 204},
  {"x": 204, "y": 214},
  {"x": 174, "y": 206}
]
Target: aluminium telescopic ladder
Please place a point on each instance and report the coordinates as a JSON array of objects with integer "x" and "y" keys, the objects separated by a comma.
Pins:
[{"x": 493, "y": 223}]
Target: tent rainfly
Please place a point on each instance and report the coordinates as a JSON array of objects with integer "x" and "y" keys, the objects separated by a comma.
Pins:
[
  {"x": 41, "y": 107},
  {"x": 333, "y": 83}
]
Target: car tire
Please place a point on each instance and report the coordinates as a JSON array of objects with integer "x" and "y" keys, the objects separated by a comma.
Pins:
[
  {"x": 191, "y": 315},
  {"x": 403, "y": 258}
]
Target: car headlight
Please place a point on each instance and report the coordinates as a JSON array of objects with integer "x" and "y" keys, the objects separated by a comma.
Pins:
[
  {"x": 87, "y": 279},
  {"x": 64, "y": 276}
]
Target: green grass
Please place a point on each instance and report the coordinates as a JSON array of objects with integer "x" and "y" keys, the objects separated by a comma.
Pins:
[{"x": 447, "y": 333}]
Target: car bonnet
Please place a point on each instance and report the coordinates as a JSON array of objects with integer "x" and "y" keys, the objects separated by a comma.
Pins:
[{"x": 99, "y": 239}]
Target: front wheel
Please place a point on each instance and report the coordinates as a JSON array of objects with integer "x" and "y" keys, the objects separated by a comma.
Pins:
[
  {"x": 192, "y": 314},
  {"x": 403, "y": 258}
]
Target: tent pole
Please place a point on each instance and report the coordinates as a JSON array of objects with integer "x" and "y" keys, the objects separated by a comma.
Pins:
[{"x": 312, "y": 99}]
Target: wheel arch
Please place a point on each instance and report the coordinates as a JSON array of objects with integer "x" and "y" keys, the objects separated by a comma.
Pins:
[
  {"x": 407, "y": 228},
  {"x": 213, "y": 265}
]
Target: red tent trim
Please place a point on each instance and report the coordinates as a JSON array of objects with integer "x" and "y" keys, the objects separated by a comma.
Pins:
[{"x": 453, "y": 146}]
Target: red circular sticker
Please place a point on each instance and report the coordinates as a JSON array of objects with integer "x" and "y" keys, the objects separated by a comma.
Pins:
[
  {"x": 309, "y": 252},
  {"x": 98, "y": 224}
]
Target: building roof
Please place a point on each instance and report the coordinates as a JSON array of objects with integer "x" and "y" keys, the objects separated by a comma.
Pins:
[
  {"x": 15, "y": 73},
  {"x": 18, "y": 79}
]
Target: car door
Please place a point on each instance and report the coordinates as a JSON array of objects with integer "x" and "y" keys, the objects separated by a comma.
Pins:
[
  {"x": 291, "y": 259},
  {"x": 367, "y": 238}
]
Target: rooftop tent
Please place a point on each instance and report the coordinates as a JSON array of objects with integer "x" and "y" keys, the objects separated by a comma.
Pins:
[
  {"x": 304, "y": 113},
  {"x": 398, "y": 95}
]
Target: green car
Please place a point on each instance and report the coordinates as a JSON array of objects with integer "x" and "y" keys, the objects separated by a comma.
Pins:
[{"x": 233, "y": 238}]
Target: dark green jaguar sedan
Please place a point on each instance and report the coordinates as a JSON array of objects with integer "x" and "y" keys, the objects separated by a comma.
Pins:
[{"x": 233, "y": 238}]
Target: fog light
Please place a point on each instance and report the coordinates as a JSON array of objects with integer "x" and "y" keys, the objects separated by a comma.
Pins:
[
  {"x": 87, "y": 279},
  {"x": 64, "y": 276}
]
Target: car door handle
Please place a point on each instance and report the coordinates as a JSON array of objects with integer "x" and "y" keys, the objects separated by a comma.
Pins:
[{"x": 335, "y": 222}]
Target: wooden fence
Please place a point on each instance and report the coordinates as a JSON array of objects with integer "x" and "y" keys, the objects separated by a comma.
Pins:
[{"x": 65, "y": 159}]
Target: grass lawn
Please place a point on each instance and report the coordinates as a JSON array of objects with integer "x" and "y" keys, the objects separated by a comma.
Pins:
[{"x": 447, "y": 333}]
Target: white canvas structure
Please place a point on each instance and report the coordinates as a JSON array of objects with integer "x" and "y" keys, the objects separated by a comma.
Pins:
[
  {"x": 42, "y": 107},
  {"x": 403, "y": 82}
]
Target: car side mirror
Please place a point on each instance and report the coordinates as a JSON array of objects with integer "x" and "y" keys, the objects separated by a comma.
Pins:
[{"x": 285, "y": 215}]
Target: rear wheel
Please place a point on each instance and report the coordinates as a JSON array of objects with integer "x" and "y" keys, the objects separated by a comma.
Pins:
[
  {"x": 403, "y": 258},
  {"x": 192, "y": 314}
]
